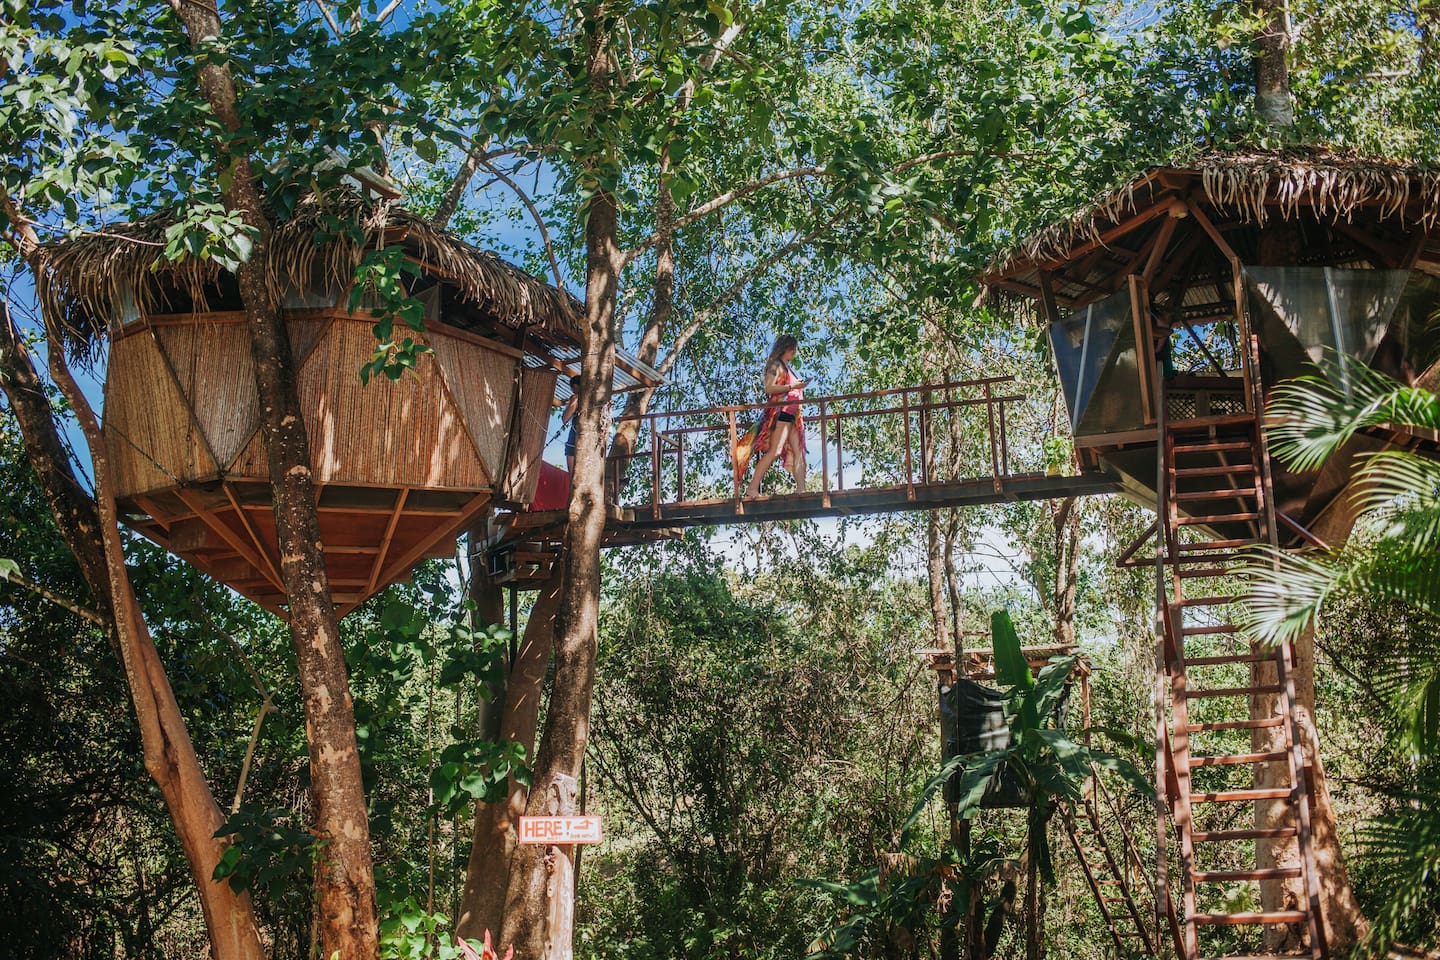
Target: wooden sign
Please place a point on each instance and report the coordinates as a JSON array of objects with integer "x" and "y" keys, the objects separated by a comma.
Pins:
[{"x": 559, "y": 831}]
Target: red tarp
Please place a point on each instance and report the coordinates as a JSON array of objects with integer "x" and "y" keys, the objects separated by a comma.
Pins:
[{"x": 553, "y": 490}]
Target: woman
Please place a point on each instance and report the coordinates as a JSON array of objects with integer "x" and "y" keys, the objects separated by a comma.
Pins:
[{"x": 782, "y": 429}]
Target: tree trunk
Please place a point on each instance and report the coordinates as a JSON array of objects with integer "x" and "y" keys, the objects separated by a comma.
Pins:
[
  {"x": 344, "y": 874},
  {"x": 1273, "y": 104},
  {"x": 487, "y": 877},
  {"x": 1344, "y": 924},
  {"x": 1034, "y": 932},
  {"x": 935, "y": 575},
  {"x": 567, "y": 722},
  {"x": 1066, "y": 518},
  {"x": 91, "y": 530}
]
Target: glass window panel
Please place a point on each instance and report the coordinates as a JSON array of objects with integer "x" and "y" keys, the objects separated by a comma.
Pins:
[
  {"x": 1085, "y": 343},
  {"x": 1323, "y": 309}
]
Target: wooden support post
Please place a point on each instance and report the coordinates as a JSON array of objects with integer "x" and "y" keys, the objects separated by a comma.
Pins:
[
  {"x": 735, "y": 468},
  {"x": 680, "y": 468}
]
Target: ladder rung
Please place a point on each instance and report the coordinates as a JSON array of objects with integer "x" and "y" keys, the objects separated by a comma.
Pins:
[
  {"x": 1230, "y": 876},
  {"x": 1196, "y": 424},
  {"x": 1216, "y": 545},
  {"x": 1232, "y": 691},
  {"x": 1212, "y": 446},
  {"x": 1242, "y": 796},
  {"x": 1217, "y": 518},
  {"x": 1234, "y": 919},
  {"x": 1203, "y": 572},
  {"x": 1237, "y": 658},
  {"x": 1213, "y": 628},
  {"x": 1228, "y": 469},
  {"x": 1238, "y": 758},
  {"x": 1208, "y": 601},
  {"x": 1220, "y": 836},
  {"x": 1257, "y": 724},
  {"x": 1230, "y": 493}
]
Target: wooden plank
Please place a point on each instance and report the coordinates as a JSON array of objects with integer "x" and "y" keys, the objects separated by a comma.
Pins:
[
  {"x": 408, "y": 558},
  {"x": 1162, "y": 243}
]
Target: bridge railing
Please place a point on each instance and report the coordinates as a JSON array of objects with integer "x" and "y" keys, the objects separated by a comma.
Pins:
[{"x": 948, "y": 432}]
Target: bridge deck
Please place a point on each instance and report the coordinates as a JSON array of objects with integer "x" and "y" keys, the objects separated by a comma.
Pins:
[
  {"x": 866, "y": 500},
  {"x": 934, "y": 439}
]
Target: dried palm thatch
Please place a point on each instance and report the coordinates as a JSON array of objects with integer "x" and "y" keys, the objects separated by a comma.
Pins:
[
  {"x": 88, "y": 282},
  {"x": 1332, "y": 184}
]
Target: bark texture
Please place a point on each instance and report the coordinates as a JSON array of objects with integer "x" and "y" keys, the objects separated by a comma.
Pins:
[
  {"x": 493, "y": 844},
  {"x": 344, "y": 875},
  {"x": 91, "y": 530},
  {"x": 1273, "y": 103}
]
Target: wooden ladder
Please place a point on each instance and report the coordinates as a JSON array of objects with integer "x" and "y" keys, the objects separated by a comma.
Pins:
[
  {"x": 1106, "y": 873},
  {"x": 1218, "y": 502}
]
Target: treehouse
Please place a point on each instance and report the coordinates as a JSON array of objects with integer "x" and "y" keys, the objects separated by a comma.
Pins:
[
  {"x": 1157, "y": 289},
  {"x": 401, "y": 467},
  {"x": 1174, "y": 307}
]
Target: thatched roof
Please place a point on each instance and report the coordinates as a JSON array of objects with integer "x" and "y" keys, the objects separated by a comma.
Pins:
[
  {"x": 1251, "y": 186},
  {"x": 89, "y": 282}
]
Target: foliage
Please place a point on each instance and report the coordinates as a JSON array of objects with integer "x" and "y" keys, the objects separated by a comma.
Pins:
[
  {"x": 1398, "y": 507},
  {"x": 1390, "y": 562}
]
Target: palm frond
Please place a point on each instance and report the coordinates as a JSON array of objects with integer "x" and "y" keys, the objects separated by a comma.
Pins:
[
  {"x": 1406, "y": 846},
  {"x": 1311, "y": 417},
  {"x": 1405, "y": 488}
]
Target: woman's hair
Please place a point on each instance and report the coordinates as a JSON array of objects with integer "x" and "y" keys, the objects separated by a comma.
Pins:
[{"x": 783, "y": 343}]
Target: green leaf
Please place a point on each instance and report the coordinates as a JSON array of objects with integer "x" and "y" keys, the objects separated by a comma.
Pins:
[{"x": 1011, "y": 667}]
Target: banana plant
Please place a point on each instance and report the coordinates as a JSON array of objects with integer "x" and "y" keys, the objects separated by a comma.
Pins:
[{"x": 1041, "y": 762}]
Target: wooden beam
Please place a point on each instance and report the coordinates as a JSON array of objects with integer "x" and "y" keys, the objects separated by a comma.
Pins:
[
  {"x": 1047, "y": 298},
  {"x": 1180, "y": 259},
  {"x": 246, "y": 550},
  {"x": 1119, "y": 230},
  {"x": 1209, "y": 228},
  {"x": 1381, "y": 255},
  {"x": 379, "y": 563},
  {"x": 1157, "y": 250},
  {"x": 416, "y": 552},
  {"x": 260, "y": 544}
]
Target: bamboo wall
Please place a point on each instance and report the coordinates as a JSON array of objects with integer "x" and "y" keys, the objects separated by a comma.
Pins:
[{"x": 180, "y": 408}]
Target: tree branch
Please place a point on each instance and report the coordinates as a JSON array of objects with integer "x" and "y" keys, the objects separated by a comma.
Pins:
[
  {"x": 539, "y": 222},
  {"x": 704, "y": 314},
  {"x": 715, "y": 203},
  {"x": 21, "y": 581}
]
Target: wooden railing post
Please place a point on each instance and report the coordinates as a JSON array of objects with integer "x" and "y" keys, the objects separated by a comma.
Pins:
[
  {"x": 994, "y": 448},
  {"x": 824, "y": 460},
  {"x": 734, "y": 463},
  {"x": 925, "y": 403},
  {"x": 909, "y": 466},
  {"x": 680, "y": 468},
  {"x": 654, "y": 471}
]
